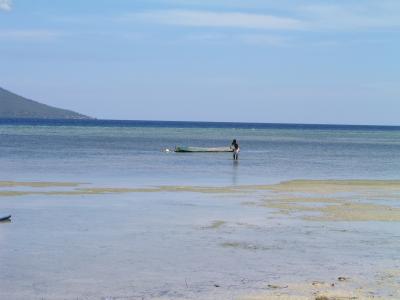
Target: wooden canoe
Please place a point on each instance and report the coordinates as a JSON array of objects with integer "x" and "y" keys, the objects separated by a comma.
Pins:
[{"x": 203, "y": 149}]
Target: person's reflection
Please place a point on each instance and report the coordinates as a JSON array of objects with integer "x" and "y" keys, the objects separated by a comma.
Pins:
[{"x": 235, "y": 172}]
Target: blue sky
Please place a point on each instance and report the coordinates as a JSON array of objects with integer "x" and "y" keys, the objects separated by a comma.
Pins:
[{"x": 315, "y": 61}]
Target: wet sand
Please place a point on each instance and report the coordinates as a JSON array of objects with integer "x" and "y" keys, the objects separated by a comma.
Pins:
[{"x": 341, "y": 288}]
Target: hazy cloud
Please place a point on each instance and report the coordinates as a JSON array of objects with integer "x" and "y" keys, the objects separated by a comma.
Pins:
[
  {"x": 198, "y": 18},
  {"x": 266, "y": 40},
  {"x": 5, "y": 5},
  {"x": 309, "y": 17},
  {"x": 370, "y": 15},
  {"x": 29, "y": 34}
]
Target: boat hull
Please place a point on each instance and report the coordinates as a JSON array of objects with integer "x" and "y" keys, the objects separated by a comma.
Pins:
[
  {"x": 203, "y": 149},
  {"x": 5, "y": 218}
]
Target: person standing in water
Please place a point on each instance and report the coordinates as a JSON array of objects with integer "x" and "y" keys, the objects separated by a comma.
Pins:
[{"x": 236, "y": 149}]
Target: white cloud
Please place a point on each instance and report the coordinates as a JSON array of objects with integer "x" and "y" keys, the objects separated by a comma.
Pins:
[
  {"x": 318, "y": 16},
  {"x": 198, "y": 18},
  {"x": 5, "y": 5},
  {"x": 369, "y": 15}
]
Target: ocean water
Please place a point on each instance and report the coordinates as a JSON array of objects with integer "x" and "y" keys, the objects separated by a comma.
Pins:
[
  {"x": 130, "y": 152},
  {"x": 185, "y": 244}
]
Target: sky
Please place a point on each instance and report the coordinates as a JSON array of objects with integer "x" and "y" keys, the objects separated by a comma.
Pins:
[{"x": 314, "y": 61}]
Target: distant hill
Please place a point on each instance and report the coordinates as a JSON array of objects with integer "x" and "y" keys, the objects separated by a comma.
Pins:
[{"x": 14, "y": 106}]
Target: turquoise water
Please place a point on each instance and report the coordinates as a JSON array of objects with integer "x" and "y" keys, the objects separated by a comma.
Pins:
[{"x": 131, "y": 152}]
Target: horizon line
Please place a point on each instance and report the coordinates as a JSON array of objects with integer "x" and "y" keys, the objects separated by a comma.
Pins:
[{"x": 93, "y": 119}]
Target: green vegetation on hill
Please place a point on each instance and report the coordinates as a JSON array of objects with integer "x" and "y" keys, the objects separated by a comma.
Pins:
[{"x": 14, "y": 106}]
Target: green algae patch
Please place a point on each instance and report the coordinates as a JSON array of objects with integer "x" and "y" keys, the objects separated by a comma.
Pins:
[
  {"x": 336, "y": 200},
  {"x": 38, "y": 184},
  {"x": 332, "y": 186},
  {"x": 13, "y": 193},
  {"x": 335, "y": 210},
  {"x": 215, "y": 224},
  {"x": 288, "y": 197},
  {"x": 76, "y": 190},
  {"x": 308, "y": 200},
  {"x": 104, "y": 190},
  {"x": 198, "y": 189},
  {"x": 357, "y": 212},
  {"x": 90, "y": 191},
  {"x": 239, "y": 245},
  {"x": 322, "y": 202},
  {"x": 246, "y": 246}
]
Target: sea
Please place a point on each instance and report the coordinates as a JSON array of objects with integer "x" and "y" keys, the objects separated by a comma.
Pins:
[
  {"x": 89, "y": 220},
  {"x": 133, "y": 152}
]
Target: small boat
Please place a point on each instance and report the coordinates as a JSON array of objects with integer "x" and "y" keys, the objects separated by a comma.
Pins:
[
  {"x": 5, "y": 218},
  {"x": 203, "y": 149}
]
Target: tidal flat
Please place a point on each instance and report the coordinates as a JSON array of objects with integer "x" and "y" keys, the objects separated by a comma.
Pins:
[{"x": 299, "y": 239}]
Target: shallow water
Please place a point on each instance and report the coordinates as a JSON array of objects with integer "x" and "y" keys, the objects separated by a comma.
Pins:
[
  {"x": 194, "y": 242},
  {"x": 183, "y": 245}
]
